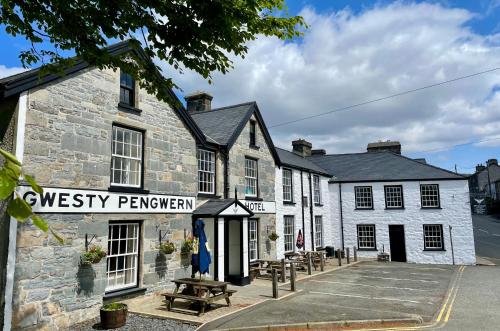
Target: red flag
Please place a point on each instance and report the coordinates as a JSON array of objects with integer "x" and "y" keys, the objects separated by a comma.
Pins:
[{"x": 300, "y": 240}]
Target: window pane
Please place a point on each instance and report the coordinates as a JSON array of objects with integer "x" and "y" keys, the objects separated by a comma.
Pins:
[
  {"x": 430, "y": 195},
  {"x": 206, "y": 171},
  {"x": 363, "y": 197},
  {"x": 287, "y": 185},
  {"x": 126, "y": 159},
  {"x": 250, "y": 177},
  {"x": 288, "y": 233},
  {"x": 318, "y": 231},
  {"x": 122, "y": 256},
  {"x": 393, "y": 196},
  {"x": 433, "y": 236},
  {"x": 366, "y": 236}
]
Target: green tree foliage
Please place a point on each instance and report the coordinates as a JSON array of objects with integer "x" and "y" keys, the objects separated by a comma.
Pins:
[
  {"x": 197, "y": 34},
  {"x": 10, "y": 174}
]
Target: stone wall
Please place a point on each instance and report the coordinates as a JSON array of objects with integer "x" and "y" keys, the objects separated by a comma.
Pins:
[{"x": 68, "y": 144}]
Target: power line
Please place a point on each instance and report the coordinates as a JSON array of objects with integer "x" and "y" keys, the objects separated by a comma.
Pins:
[
  {"x": 384, "y": 98},
  {"x": 457, "y": 145}
]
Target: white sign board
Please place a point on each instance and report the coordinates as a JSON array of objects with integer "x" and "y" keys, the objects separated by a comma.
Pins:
[
  {"x": 60, "y": 200},
  {"x": 260, "y": 207}
]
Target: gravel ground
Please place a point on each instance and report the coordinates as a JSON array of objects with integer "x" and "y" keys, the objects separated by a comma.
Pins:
[{"x": 136, "y": 323}]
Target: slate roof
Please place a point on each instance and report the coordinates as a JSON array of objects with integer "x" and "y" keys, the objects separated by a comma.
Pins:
[
  {"x": 214, "y": 206},
  {"x": 293, "y": 160},
  {"x": 379, "y": 166}
]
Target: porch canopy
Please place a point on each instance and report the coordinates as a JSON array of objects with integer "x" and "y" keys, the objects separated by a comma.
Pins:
[{"x": 222, "y": 207}]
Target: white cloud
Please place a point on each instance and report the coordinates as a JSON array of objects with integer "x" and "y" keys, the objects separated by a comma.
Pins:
[
  {"x": 346, "y": 58},
  {"x": 9, "y": 71}
]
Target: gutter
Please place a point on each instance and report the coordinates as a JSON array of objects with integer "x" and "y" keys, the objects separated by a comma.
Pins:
[
  {"x": 302, "y": 207},
  {"x": 11, "y": 257},
  {"x": 311, "y": 212}
]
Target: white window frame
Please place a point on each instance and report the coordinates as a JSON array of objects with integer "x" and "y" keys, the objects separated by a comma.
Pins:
[
  {"x": 253, "y": 239},
  {"x": 251, "y": 177},
  {"x": 362, "y": 197},
  {"x": 317, "y": 189},
  {"x": 318, "y": 231},
  {"x": 206, "y": 171},
  {"x": 367, "y": 236},
  {"x": 430, "y": 193},
  {"x": 394, "y": 196},
  {"x": 433, "y": 233},
  {"x": 125, "y": 161},
  {"x": 289, "y": 233},
  {"x": 287, "y": 185},
  {"x": 130, "y": 251}
]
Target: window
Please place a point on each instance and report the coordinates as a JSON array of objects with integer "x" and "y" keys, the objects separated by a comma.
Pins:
[
  {"x": 363, "y": 196},
  {"x": 206, "y": 171},
  {"x": 316, "y": 190},
  {"x": 393, "y": 196},
  {"x": 250, "y": 177},
  {"x": 287, "y": 185},
  {"x": 429, "y": 194},
  {"x": 126, "y": 157},
  {"x": 127, "y": 89},
  {"x": 123, "y": 254},
  {"x": 288, "y": 232},
  {"x": 253, "y": 248},
  {"x": 253, "y": 141},
  {"x": 366, "y": 237},
  {"x": 433, "y": 237},
  {"x": 318, "y": 231}
]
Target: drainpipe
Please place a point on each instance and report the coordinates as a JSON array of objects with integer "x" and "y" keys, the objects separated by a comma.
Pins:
[
  {"x": 341, "y": 216},
  {"x": 226, "y": 174},
  {"x": 11, "y": 258},
  {"x": 302, "y": 207},
  {"x": 311, "y": 211}
]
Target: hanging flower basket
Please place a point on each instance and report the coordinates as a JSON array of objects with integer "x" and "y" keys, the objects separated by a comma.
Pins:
[
  {"x": 186, "y": 251},
  {"x": 94, "y": 255},
  {"x": 167, "y": 248},
  {"x": 273, "y": 236}
]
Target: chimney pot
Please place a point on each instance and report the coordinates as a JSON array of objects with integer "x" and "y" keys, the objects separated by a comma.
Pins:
[
  {"x": 302, "y": 147},
  {"x": 491, "y": 162},
  {"x": 198, "y": 101},
  {"x": 480, "y": 168}
]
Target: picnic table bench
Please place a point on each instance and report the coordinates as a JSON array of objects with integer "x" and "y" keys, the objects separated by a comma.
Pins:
[
  {"x": 266, "y": 265},
  {"x": 203, "y": 292}
]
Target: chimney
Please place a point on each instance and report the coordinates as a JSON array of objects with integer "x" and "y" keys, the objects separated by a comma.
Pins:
[
  {"x": 480, "y": 168},
  {"x": 421, "y": 160},
  {"x": 318, "y": 152},
  {"x": 302, "y": 147},
  {"x": 380, "y": 146},
  {"x": 491, "y": 162},
  {"x": 198, "y": 101}
]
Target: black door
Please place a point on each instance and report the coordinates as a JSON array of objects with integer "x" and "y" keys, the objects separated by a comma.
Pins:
[{"x": 397, "y": 241}]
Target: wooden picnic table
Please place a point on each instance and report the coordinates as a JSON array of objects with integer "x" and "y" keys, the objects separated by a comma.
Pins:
[{"x": 199, "y": 291}]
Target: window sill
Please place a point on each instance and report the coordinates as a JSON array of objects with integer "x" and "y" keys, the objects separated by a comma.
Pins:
[
  {"x": 431, "y": 208},
  {"x": 254, "y": 147},
  {"x": 318, "y": 205},
  {"x": 120, "y": 293},
  {"x": 367, "y": 249},
  {"x": 129, "y": 107},
  {"x": 125, "y": 189},
  {"x": 254, "y": 199},
  {"x": 290, "y": 203},
  {"x": 434, "y": 250},
  {"x": 363, "y": 208},
  {"x": 208, "y": 195},
  {"x": 398, "y": 208}
]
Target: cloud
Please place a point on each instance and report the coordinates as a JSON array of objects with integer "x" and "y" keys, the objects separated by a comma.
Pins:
[
  {"x": 9, "y": 71},
  {"x": 347, "y": 58}
]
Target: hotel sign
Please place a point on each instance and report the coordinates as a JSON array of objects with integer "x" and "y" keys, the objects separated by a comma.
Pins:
[
  {"x": 260, "y": 207},
  {"x": 59, "y": 200}
]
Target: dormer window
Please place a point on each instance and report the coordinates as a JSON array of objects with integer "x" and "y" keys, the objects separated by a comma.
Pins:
[
  {"x": 253, "y": 141},
  {"x": 127, "y": 89}
]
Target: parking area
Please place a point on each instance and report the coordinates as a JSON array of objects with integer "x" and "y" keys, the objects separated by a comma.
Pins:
[{"x": 365, "y": 291}]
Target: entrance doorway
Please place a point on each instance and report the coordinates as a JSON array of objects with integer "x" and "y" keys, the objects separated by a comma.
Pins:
[
  {"x": 397, "y": 242},
  {"x": 233, "y": 251}
]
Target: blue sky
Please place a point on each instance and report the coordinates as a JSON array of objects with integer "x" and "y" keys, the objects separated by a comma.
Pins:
[{"x": 361, "y": 50}]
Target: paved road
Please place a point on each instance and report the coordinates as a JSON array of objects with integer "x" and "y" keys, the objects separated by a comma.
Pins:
[{"x": 487, "y": 237}]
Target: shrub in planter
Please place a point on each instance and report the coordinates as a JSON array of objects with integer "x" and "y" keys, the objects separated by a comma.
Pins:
[
  {"x": 273, "y": 236},
  {"x": 113, "y": 315},
  {"x": 167, "y": 247},
  {"x": 93, "y": 255}
]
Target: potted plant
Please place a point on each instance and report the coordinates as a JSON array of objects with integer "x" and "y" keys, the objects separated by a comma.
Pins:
[
  {"x": 93, "y": 255},
  {"x": 273, "y": 236},
  {"x": 113, "y": 315},
  {"x": 186, "y": 250},
  {"x": 167, "y": 248}
]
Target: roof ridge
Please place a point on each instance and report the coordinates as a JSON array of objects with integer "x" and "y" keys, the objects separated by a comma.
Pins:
[
  {"x": 222, "y": 108},
  {"x": 426, "y": 164}
]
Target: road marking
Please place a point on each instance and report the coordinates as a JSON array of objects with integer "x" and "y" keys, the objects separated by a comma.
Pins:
[
  {"x": 366, "y": 285},
  {"x": 454, "y": 296},
  {"x": 483, "y": 230},
  {"x": 362, "y": 297},
  {"x": 495, "y": 234},
  {"x": 406, "y": 279}
]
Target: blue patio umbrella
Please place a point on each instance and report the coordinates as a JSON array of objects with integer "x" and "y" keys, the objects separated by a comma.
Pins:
[{"x": 200, "y": 261}]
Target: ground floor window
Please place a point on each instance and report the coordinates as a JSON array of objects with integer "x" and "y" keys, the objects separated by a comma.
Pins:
[
  {"x": 433, "y": 237},
  {"x": 253, "y": 244},
  {"x": 288, "y": 233},
  {"x": 366, "y": 236},
  {"x": 123, "y": 255},
  {"x": 318, "y": 231}
]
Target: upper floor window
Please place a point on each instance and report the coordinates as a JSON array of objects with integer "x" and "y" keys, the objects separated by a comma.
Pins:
[
  {"x": 287, "y": 185},
  {"x": 250, "y": 177},
  {"x": 253, "y": 141},
  {"x": 127, "y": 89},
  {"x": 206, "y": 171},
  {"x": 126, "y": 157},
  {"x": 316, "y": 190},
  {"x": 429, "y": 195},
  {"x": 393, "y": 196},
  {"x": 363, "y": 196}
]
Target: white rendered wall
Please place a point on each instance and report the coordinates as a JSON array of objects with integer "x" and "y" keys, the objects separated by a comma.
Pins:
[{"x": 455, "y": 211}]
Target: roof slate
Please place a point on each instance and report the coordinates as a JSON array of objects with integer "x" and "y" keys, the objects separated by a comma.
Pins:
[
  {"x": 293, "y": 160},
  {"x": 379, "y": 166}
]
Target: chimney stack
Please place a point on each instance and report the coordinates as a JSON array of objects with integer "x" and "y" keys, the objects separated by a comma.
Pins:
[
  {"x": 302, "y": 147},
  {"x": 491, "y": 162},
  {"x": 318, "y": 152},
  {"x": 381, "y": 146},
  {"x": 198, "y": 101},
  {"x": 480, "y": 168}
]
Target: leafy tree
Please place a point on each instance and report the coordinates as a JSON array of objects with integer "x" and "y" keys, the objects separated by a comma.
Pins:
[
  {"x": 10, "y": 173},
  {"x": 197, "y": 34}
]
